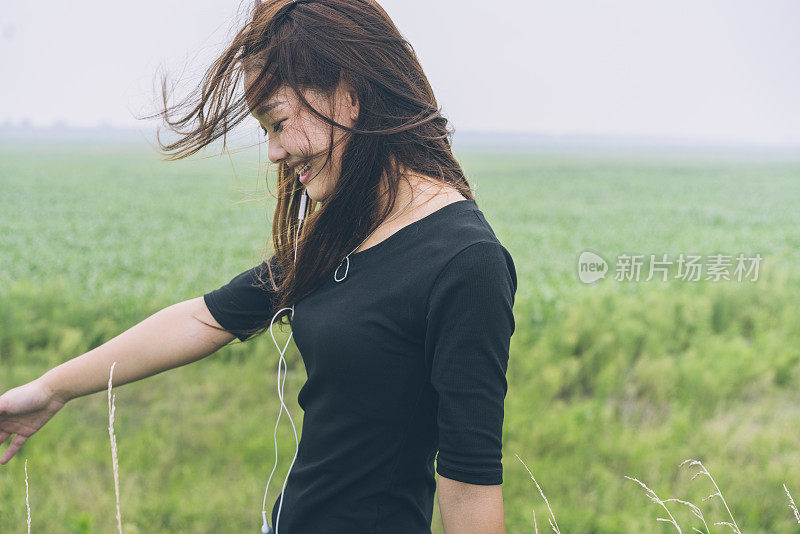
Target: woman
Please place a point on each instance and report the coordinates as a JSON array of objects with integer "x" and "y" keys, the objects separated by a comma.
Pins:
[{"x": 403, "y": 295}]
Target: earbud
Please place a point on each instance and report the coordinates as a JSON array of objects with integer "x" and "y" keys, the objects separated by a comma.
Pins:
[{"x": 265, "y": 528}]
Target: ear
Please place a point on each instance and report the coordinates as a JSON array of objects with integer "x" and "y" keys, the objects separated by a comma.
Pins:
[{"x": 352, "y": 98}]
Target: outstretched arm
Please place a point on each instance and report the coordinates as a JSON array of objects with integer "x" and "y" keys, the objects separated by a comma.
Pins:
[{"x": 167, "y": 339}]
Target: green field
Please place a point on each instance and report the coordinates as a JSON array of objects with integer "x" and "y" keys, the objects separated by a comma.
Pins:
[{"x": 605, "y": 380}]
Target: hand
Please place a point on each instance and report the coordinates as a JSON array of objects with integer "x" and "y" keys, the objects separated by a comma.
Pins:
[{"x": 23, "y": 411}]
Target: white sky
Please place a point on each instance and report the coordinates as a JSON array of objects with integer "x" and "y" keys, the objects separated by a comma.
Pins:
[{"x": 710, "y": 69}]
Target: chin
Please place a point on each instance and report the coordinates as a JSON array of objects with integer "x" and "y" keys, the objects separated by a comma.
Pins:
[
  {"x": 314, "y": 192},
  {"x": 311, "y": 192}
]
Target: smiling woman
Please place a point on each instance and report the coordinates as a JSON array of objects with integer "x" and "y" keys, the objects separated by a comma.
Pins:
[
  {"x": 406, "y": 350},
  {"x": 334, "y": 84},
  {"x": 418, "y": 362}
]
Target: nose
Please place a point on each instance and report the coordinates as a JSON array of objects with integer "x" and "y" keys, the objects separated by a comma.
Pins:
[{"x": 275, "y": 152}]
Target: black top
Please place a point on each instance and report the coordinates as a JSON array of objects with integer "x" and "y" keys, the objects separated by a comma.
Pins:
[{"x": 404, "y": 357}]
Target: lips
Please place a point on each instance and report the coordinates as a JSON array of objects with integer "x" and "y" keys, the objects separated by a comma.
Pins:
[{"x": 304, "y": 172}]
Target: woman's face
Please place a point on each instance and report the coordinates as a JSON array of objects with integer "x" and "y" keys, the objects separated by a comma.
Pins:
[{"x": 295, "y": 134}]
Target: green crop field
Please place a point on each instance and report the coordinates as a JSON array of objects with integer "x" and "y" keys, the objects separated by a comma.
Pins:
[{"x": 612, "y": 379}]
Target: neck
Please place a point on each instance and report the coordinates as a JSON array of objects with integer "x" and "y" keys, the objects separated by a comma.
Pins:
[{"x": 413, "y": 190}]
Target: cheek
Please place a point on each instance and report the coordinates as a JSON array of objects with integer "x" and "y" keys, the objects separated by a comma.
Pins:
[{"x": 300, "y": 135}]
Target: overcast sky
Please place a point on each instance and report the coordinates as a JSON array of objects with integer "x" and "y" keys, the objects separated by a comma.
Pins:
[{"x": 706, "y": 69}]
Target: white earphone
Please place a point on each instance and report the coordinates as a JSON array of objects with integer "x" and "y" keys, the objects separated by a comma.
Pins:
[{"x": 265, "y": 528}]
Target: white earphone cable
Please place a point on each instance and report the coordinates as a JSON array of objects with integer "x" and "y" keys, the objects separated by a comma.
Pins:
[{"x": 265, "y": 528}]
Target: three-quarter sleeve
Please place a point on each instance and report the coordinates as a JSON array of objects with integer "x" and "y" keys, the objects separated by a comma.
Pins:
[
  {"x": 245, "y": 302},
  {"x": 469, "y": 326}
]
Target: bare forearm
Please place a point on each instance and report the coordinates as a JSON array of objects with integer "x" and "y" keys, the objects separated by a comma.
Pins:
[
  {"x": 470, "y": 509},
  {"x": 167, "y": 339}
]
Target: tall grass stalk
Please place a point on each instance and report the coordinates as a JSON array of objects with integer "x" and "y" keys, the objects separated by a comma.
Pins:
[
  {"x": 696, "y": 511},
  {"x": 655, "y": 499},
  {"x": 28, "y": 504},
  {"x": 704, "y": 471},
  {"x": 115, "y": 465},
  {"x": 792, "y": 505},
  {"x": 552, "y": 518}
]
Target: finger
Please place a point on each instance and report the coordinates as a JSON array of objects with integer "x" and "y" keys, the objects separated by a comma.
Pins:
[
  {"x": 12, "y": 449},
  {"x": 4, "y": 436}
]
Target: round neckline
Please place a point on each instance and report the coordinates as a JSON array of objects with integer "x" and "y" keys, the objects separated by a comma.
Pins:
[{"x": 367, "y": 252}]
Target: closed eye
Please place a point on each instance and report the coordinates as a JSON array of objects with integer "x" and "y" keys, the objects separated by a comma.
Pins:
[{"x": 278, "y": 128}]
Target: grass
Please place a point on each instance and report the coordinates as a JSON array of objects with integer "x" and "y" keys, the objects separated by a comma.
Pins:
[
  {"x": 113, "y": 440},
  {"x": 604, "y": 380},
  {"x": 792, "y": 505},
  {"x": 552, "y": 518},
  {"x": 27, "y": 497},
  {"x": 696, "y": 511}
]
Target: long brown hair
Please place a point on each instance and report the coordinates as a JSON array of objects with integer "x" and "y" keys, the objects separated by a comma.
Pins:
[{"x": 313, "y": 45}]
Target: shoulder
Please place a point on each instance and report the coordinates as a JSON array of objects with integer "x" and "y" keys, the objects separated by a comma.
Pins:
[
  {"x": 457, "y": 225},
  {"x": 485, "y": 261},
  {"x": 466, "y": 255},
  {"x": 454, "y": 241}
]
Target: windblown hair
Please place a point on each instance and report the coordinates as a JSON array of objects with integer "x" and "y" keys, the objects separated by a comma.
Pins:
[{"x": 314, "y": 45}]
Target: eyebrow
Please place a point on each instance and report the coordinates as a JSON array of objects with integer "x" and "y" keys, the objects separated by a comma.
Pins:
[{"x": 266, "y": 108}]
